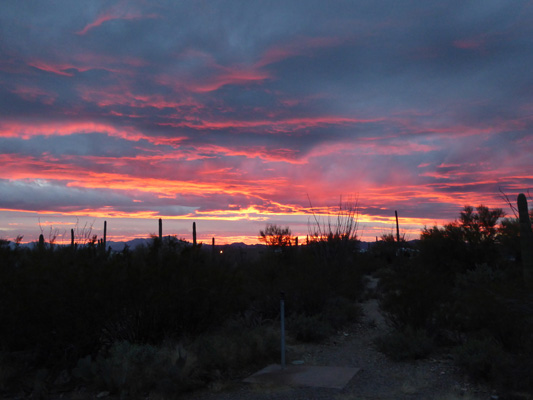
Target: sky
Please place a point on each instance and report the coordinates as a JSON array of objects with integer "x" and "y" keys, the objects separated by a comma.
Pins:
[{"x": 237, "y": 114}]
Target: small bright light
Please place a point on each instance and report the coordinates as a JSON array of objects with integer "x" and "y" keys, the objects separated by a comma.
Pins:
[{"x": 221, "y": 252}]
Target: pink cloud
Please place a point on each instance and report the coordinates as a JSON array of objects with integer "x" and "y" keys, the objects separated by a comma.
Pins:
[
  {"x": 62, "y": 69},
  {"x": 469, "y": 44},
  {"x": 33, "y": 94},
  {"x": 280, "y": 125},
  {"x": 300, "y": 46},
  {"x": 27, "y": 130},
  {"x": 122, "y": 95},
  {"x": 268, "y": 154},
  {"x": 219, "y": 75},
  {"x": 214, "y": 78},
  {"x": 111, "y": 17},
  {"x": 55, "y": 69},
  {"x": 229, "y": 76}
]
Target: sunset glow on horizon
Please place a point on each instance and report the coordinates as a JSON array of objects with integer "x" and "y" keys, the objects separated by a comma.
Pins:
[{"x": 238, "y": 114}]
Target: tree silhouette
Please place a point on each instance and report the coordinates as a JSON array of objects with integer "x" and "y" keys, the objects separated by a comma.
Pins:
[
  {"x": 275, "y": 236},
  {"x": 468, "y": 241}
]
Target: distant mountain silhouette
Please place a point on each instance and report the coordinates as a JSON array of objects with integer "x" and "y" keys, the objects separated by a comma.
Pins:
[{"x": 132, "y": 244}]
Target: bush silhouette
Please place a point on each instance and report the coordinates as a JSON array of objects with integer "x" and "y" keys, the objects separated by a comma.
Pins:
[
  {"x": 463, "y": 291},
  {"x": 62, "y": 304}
]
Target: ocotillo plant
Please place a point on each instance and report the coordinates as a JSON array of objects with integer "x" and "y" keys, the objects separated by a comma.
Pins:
[
  {"x": 194, "y": 234},
  {"x": 526, "y": 240}
]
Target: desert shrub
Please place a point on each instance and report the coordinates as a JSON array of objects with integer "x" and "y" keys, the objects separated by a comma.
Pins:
[
  {"x": 340, "y": 312},
  {"x": 408, "y": 344},
  {"x": 427, "y": 293},
  {"x": 307, "y": 284},
  {"x": 414, "y": 295},
  {"x": 133, "y": 370},
  {"x": 494, "y": 312},
  {"x": 313, "y": 328},
  {"x": 485, "y": 358},
  {"x": 509, "y": 239},
  {"x": 231, "y": 349},
  {"x": 517, "y": 374},
  {"x": 482, "y": 358},
  {"x": 62, "y": 304},
  {"x": 388, "y": 250},
  {"x": 10, "y": 367},
  {"x": 51, "y": 307},
  {"x": 488, "y": 301},
  {"x": 464, "y": 243},
  {"x": 384, "y": 251},
  {"x": 464, "y": 289}
]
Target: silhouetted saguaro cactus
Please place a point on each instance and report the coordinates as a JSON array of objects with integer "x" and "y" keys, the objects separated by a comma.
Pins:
[
  {"x": 72, "y": 237},
  {"x": 160, "y": 229},
  {"x": 41, "y": 241},
  {"x": 397, "y": 227},
  {"x": 105, "y": 234},
  {"x": 526, "y": 239},
  {"x": 194, "y": 233}
]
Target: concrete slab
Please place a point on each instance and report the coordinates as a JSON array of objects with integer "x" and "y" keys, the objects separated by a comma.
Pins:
[{"x": 310, "y": 376}]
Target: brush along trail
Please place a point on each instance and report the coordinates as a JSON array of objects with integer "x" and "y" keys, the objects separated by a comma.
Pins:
[{"x": 379, "y": 377}]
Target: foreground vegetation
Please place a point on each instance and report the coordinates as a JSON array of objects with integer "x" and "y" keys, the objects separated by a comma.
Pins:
[
  {"x": 464, "y": 293},
  {"x": 163, "y": 318},
  {"x": 170, "y": 317}
]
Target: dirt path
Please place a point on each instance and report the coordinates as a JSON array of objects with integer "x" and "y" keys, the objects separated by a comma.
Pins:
[{"x": 379, "y": 377}]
